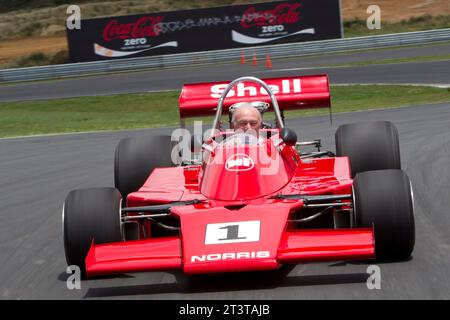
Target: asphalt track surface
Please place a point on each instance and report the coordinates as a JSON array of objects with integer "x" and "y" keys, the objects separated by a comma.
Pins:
[
  {"x": 37, "y": 173},
  {"x": 437, "y": 72}
]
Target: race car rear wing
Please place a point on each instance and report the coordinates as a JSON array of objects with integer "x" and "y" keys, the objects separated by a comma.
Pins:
[{"x": 302, "y": 92}]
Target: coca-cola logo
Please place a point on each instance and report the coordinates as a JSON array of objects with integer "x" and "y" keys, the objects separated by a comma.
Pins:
[
  {"x": 285, "y": 13},
  {"x": 144, "y": 27}
]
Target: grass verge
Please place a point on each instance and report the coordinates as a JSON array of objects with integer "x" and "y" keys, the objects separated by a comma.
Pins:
[{"x": 132, "y": 111}]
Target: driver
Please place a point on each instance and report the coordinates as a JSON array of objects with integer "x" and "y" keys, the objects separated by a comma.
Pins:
[{"x": 246, "y": 117}]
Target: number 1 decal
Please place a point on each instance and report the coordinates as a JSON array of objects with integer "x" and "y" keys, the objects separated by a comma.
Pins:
[{"x": 232, "y": 232}]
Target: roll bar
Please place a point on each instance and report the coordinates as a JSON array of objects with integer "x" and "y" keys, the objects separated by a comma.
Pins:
[{"x": 275, "y": 106}]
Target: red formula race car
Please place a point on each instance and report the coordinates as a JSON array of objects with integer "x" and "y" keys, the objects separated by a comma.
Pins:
[{"x": 242, "y": 201}]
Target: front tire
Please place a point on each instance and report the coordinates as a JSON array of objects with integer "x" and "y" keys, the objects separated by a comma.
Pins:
[
  {"x": 90, "y": 215},
  {"x": 384, "y": 199}
]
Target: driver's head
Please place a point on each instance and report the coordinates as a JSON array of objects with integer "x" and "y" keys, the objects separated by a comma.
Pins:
[{"x": 246, "y": 117}]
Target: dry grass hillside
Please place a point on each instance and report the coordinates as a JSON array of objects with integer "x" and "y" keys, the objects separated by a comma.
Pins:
[
  {"x": 396, "y": 10},
  {"x": 26, "y": 31}
]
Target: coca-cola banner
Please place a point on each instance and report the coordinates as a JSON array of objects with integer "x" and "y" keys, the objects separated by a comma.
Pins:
[{"x": 205, "y": 29}]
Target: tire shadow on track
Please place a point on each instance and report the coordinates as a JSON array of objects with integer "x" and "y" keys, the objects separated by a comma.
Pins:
[{"x": 243, "y": 281}]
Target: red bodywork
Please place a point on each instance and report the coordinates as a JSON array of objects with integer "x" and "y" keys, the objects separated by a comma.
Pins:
[{"x": 236, "y": 184}]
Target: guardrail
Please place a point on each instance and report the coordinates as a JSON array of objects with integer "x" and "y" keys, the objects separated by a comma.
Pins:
[{"x": 229, "y": 55}]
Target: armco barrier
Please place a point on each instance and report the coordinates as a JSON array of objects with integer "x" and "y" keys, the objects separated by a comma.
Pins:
[{"x": 229, "y": 55}]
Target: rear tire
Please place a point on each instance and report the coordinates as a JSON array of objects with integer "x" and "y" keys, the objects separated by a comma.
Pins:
[
  {"x": 90, "y": 215},
  {"x": 384, "y": 199},
  {"x": 369, "y": 146},
  {"x": 135, "y": 159}
]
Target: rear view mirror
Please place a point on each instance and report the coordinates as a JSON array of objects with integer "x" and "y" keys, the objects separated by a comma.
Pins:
[{"x": 288, "y": 136}]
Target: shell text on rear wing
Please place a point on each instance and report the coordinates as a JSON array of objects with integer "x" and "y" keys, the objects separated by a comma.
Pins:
[{"x": 301, "y": 92}]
